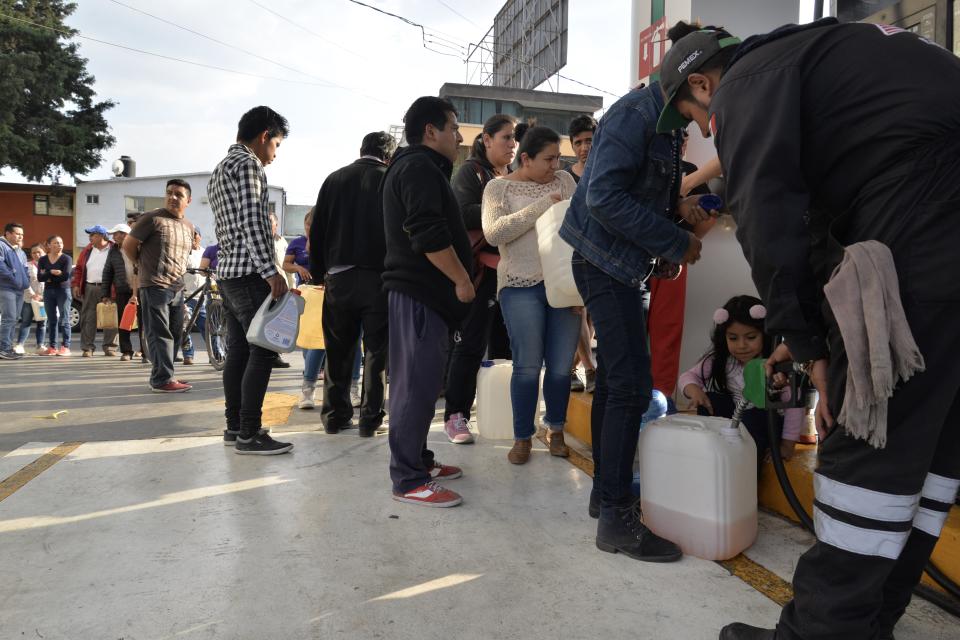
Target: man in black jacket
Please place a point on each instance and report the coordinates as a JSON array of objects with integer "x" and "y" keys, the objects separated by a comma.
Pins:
[
  {"x": 347, "y": 248},
  {"x": 118, "y": 283},
  {"x": 427, "y": 277},
  {"x": 860, "y": 141}
]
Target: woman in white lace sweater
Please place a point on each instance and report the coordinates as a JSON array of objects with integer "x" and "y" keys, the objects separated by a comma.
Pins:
[{"x": 539, "y": 334}]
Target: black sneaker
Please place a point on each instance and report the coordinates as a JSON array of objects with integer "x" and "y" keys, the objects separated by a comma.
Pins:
[
  {"x": 740, "y": 631},
  {"x": 279, "y": 363},
  {"x": 10, "y": 355},
  {"x": 621, "y": 530},
  {"x": 230, "y": 437},
  {"x": 261, "y": 445},
  {"x": 368, "y": 431}
]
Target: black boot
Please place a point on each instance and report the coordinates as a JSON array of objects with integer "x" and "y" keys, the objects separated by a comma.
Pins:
[
  {"x": 740, "y": 631},
  {"x": 594, "y": 508},
  {"x": 621, "y": 529}
]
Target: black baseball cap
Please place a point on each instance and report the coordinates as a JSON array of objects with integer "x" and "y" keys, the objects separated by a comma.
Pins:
[{"x": 687, "y": 56}]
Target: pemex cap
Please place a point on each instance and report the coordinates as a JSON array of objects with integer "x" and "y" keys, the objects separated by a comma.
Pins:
[{"x": 687, "y": 56}]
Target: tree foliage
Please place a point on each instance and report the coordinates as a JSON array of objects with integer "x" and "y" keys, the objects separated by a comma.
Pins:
[{"x": 49, "y": 119}]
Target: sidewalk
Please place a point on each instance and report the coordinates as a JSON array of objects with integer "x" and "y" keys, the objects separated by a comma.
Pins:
[{"x": 178, "y": 537}]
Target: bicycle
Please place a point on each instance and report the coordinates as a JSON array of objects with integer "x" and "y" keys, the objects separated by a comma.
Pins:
[{"x": 215, "y": 334}]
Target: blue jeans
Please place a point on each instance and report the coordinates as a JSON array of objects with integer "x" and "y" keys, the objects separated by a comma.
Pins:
[
  {"x": 539, "y": 335},
  {"x": 162, "y": 318},
  {"x": 188, "y": 348},
  {"x": 56, "y": 301},
  {"x": 313, "y": 363},
  {"x": 624, "y": 381},
  {"x": 26, "y": 318},
  {"x": 10, "y": 303}
]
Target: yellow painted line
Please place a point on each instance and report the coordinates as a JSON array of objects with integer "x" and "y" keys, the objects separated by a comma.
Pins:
[
  {"x": 757, "y": 576},
  {"x": 760, "y": 578},
  {"x": 14, "y": 483},
  {"x": 277, "y": 408}
]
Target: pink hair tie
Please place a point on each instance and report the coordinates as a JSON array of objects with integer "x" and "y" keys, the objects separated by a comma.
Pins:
[
  {"x": 758, "y": 312},
  {"x": 720, "y": 316}
]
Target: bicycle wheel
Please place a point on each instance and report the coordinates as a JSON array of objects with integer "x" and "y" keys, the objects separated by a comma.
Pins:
[{"x": 216, "y": 333}]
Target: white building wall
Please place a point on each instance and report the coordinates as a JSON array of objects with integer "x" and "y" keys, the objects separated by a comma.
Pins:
[{"x": 111, "y": 209}]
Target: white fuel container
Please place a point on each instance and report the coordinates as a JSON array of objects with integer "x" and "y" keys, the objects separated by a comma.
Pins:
[
  {"x": 555, "y": 255},
  {"x": 277, "y": 322},
  {"x": 698, "y": 479},
  {"x": 494, "y": 410}
]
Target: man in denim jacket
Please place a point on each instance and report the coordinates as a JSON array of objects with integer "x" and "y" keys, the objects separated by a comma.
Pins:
[
  {"x": 620, "y": 218},
  {"x": 13, "y": 280}
]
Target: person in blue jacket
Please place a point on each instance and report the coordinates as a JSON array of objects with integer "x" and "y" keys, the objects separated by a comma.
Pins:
[{"x": 13, "y": 280}]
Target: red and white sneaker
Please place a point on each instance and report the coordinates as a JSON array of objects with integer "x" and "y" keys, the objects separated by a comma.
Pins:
[
  {"x": 444, "y": 471},
  {"x": 431, "y": 494},
  {"x": 457, "y": 429},
  {"x": 64, "y": 351},
  {"x": 172, "y": 387},
  {"x": 47, "y": 351}
]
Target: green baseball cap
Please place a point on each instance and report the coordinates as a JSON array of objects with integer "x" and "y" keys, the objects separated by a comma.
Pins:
[{"x": 687, "y": 56}]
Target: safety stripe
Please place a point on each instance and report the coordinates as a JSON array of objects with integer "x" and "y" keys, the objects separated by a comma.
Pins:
[
  {"x": 866, "y": 503},
  {"x": 868, "y": 542},
  {"x": 940, "y": 488},
  {"x": 930, "y": 521}
]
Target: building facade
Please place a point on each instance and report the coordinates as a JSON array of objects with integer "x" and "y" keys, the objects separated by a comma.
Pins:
[
  {"x": 476, "y": 103},
  {"x": 43, "y": 210},
  {"x": 107, "y": 202}
]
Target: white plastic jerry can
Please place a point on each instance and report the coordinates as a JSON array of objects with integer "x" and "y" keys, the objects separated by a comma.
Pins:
[
  {"x": 698, "y": 479},
  {"x": 555, "y": 257},
  {"x": 276, "y": 323},
  {"x": 494, "y": 408}
]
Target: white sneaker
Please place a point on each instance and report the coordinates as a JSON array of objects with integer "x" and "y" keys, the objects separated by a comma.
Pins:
[
  {"x": 355, "y": 398},
  {"x": 18, "y": 348},
  {"x": 306, "y": 395}
]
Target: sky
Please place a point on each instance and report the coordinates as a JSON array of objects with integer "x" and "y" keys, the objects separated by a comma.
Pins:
[{"x": 173, "y": 117}]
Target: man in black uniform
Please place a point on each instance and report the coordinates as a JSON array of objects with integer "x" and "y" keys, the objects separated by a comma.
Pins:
[{"x": 861, "y": 141}]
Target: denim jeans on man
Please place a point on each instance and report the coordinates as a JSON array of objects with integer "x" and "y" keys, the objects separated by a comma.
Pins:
[
  {"x": 27, "y": 319},
  {"x": 191, "y": 306},
  {"x": 539, "y": 335},
  {"x": 624, "y": 381},
  {"x": 10, "y": 303},
  {"x": 162, "y": 317},
  {"x": 56, "y": 301},
  {"x": 246, "y": 372},
  {"x": 417, "y": 360}
]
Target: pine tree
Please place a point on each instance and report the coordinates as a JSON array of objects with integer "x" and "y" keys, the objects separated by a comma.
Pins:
[{"x": 49, "y": 121}]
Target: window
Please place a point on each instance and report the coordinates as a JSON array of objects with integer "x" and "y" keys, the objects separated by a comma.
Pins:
[
  {"x": 139, "y": 204},
  {"x": 93, "y": 198},
  {"x": 41, "y": 205}
]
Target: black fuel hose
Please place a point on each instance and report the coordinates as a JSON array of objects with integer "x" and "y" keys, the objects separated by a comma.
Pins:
[{"x": 950, "y": 605}]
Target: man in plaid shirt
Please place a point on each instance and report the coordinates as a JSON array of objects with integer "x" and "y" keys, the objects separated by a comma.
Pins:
[{"x": 247, "y": 273}]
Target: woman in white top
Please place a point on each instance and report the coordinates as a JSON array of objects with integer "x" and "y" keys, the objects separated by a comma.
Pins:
[{"x": 539, "y": 334}]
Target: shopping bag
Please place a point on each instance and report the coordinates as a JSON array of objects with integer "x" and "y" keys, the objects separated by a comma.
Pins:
[
  {"x": 39, "y": 311},
  {"x": 555, "y": 259},
  {"x": 311, "y": 322},
  {"x": 129, "y": 320},
  {"x": 276, "y": 323},
  {"x": 106, "y": 315}
]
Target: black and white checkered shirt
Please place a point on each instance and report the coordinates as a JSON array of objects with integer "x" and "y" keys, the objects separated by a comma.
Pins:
[{"x": 239, "y": 199}]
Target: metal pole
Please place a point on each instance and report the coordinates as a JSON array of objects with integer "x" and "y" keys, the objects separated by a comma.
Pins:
[{"x": 817, "y": 9}]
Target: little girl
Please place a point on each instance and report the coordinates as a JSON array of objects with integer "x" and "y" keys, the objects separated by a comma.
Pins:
[{"x": 715, "y": 384}]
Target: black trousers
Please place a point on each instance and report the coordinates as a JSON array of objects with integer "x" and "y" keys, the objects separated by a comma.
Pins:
[
  {"x": 353, "y": 300},
  {"x": 246, "y": 372},
  {"x": 126, "y": 346},
  {"x": 879, "y": 512},
  {"x": 483, "y": 327}
]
